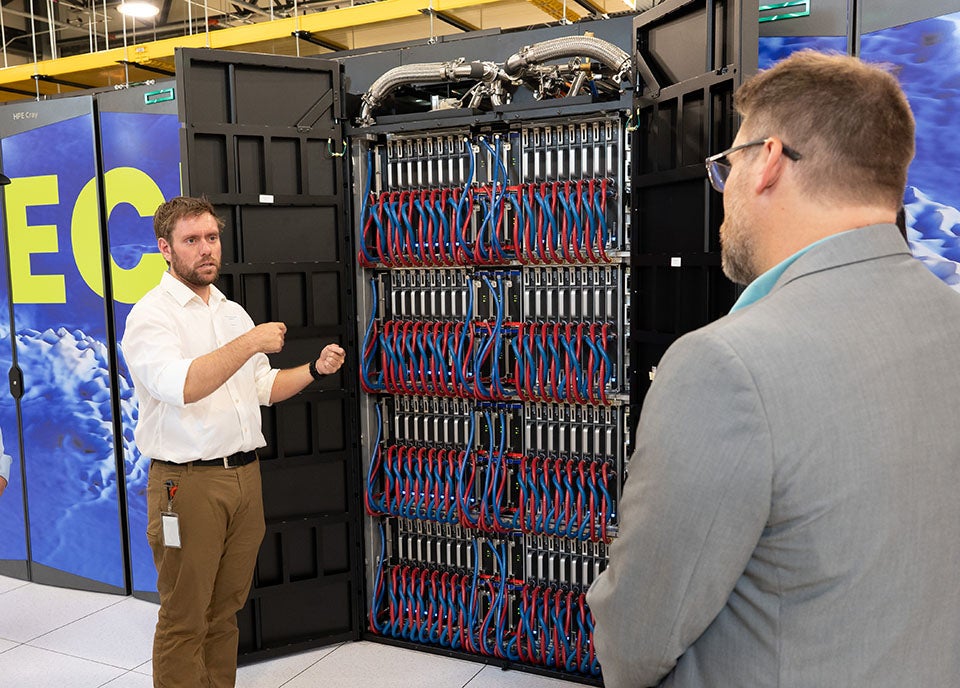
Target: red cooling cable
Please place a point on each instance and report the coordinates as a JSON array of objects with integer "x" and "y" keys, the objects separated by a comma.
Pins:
[
  {"x": 587, "y": 216},
  {"x": 580, "y": 505},
  {"x": 593, "y": 506},
  {"x": 603, "y": 365},
  {"x": 564, "y": 499},
  {"x": 411, "y": 196},
  {"x": 604, "y": 513},
  {"x": 591, "y": 384}
]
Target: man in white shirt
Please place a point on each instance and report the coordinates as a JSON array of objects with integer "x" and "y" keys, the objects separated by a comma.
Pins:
[
  {"x": 5, "y": 461},
  {"x": 200, "y": 370}
]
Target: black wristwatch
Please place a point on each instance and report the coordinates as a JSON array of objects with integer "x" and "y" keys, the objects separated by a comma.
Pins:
[{"x": 314, "y": 373}]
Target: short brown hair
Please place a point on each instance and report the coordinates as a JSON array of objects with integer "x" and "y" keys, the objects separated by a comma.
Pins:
[
  {"x": 170, "y": 213},
  {"x": 850, "y": 120}
]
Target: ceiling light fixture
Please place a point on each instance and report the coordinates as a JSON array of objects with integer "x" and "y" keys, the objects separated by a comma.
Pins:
[{"x": 138, "y": 9}]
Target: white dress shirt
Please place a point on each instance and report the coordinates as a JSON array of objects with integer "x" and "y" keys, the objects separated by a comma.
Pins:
[
  {"x": 166, "y": 330},
  {"x": 5, "y": 462}
]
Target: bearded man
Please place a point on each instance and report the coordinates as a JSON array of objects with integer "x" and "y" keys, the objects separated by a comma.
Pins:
[
  {"x": 791, "y": 516},
  {"x": 201, "y": 373}
]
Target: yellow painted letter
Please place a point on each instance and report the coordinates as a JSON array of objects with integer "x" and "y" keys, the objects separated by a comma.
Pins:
[
  {"x": 121, "y": 185},
  {"x": 26, "y": 240}
]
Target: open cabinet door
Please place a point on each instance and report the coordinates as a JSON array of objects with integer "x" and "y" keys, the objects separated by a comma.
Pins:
[
  {"x": 691, "y": 55},
  {"x": 261, "y": 138}
]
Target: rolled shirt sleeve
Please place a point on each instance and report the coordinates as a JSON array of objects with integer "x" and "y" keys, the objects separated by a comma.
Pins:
[
  {"x": 693, "y": 509},
  {"x": 152, "y": 349},
  {"x": 265, "y": 377}
]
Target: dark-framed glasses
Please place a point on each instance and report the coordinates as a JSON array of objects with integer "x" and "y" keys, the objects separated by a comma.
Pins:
[{"x": 718, "y": 168}]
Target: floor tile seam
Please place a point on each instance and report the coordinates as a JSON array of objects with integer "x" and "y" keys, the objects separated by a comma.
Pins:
[
  {"x": 111, "y": 680},
  {"x": 73, "y": 656},
  {"x": 470, "y": 680},
  {"x": 307, "y": 668},
  {"x": 70, "y": 623},
  {"x": 134, "y": 670},
  {"x": 16, "y": 643}
]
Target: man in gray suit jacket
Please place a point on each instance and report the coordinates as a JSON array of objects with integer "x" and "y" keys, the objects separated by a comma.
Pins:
[{"x": 792, "y": 513}]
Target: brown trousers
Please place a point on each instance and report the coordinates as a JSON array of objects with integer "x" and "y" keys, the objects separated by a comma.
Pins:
[{"x": 205, "y": 583}]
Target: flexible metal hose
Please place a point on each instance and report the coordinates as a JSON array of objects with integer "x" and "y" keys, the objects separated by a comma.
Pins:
[
  {"x": 425, "y": 72},
  {"x": 570, "y": 46}
]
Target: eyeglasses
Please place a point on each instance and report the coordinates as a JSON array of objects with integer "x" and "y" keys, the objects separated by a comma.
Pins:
[{"x": 718, "y": 169}]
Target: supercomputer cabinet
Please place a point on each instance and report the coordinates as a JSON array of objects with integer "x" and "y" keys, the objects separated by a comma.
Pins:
[{"x": 534, "y": 228}]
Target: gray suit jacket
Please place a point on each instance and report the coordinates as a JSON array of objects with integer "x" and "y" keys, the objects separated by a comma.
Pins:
[{"x": 792, "y": 514}]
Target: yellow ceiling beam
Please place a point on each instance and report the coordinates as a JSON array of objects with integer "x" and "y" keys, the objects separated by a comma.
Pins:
[
  {"x": 555, "y": 9},
  {"x": 237, "y": 37}
]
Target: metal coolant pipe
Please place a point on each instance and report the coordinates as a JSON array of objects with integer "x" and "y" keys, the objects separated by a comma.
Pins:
[
  {"x": 425, "y": 72},
  {"x": 570, "y": 46}
]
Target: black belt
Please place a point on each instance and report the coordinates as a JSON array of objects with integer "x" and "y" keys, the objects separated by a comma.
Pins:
[{"x": 241, "y": 458}]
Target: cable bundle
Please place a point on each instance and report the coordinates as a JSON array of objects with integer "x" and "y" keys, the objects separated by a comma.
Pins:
[
  {"x": 450, "y": 608},
  {"x": 417, "y": 228},
  {"x": 561, "y": 222},
  {"x": 556, "y": 630},
  {"x": 566, "y": 498},
  {"x": 562, "y": 362},
  {"x": 553, "y": 222},
  {"x": 425, "y": 358},
  {"x": 419, "y": 483}
]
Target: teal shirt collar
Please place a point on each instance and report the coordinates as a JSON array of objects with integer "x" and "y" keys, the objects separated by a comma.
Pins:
[{"x": 762, "y": 285}]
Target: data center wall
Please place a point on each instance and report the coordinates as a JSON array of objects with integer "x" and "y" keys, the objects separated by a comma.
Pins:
[{"x": 521, "y": 263}]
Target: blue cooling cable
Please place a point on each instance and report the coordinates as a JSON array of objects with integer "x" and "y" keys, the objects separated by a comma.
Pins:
[
  {"x": 568, "y": 498},
  {"x": 461, "y": 345},
  {"x": 365, "y": 208},
  {"x": 528, "y": 239},
  {"x": 486, "y": 501},
  {"x": 555, "y": 358},
  {"x": 463, "y": 499},
  {"x": 554, "y": 522},
  {"x": 420, "y": 622},
  {"x": 375, "y": 459},
  {"x": 498, "y": 340},
  {"x": 601, "y": 219},
  {"x": 394, "y": 629},
  {"x": 585, "y": 638},
  {"x": 590, "y": 220},
  {"x": 474, "y": 603},
  {"x": 584, "y": 519},
  {"x": 556, "y": 616},
  {"x": 461, "y": 205},
  {"x": 421, "y": 252},
  {"x": 378, "y": 585},
  {"x": 501, "y": 470},
  {"x": 366, "y": 359}
]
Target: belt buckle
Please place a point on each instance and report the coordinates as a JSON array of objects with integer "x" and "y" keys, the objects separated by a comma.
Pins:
[{"x": 226, "y": 462}]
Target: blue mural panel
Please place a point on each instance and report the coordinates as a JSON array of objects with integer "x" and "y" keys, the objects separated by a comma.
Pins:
[
  {"x": 772, "y": 49},
  {"x": 13, "y": 538},
  {"x": 141, "y": 162},
  {"x": 925, "y": 56},
  {"x": 53, "y": 229}
]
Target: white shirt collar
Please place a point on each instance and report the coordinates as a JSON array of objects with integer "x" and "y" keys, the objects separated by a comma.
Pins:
[{"x": 183, "y": 294}]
